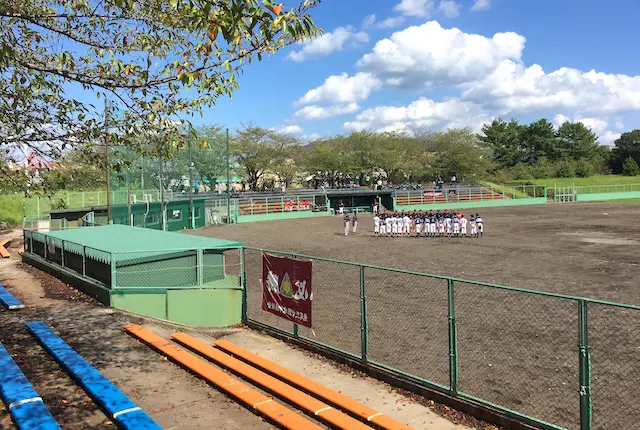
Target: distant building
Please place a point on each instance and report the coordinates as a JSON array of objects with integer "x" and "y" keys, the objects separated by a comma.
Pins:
[{"x": 36, "y": 165}]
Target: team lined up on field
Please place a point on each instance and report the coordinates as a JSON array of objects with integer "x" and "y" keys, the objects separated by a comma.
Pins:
[{"x": 438, "y": 224}]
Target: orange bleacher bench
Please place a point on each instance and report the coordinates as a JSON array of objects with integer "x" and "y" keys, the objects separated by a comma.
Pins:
[
  {"x": 3, "y": 251},
  {"x": 246, "y": 395},
  {"x": 307, "y": 403},
  {"x": 341, "y": 401},
  {"x": 275, "y": 207}
]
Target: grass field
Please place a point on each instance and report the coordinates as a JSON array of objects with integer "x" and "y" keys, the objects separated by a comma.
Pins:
[
  {"x": 14, "y": 206},
  {"x": 11, "y": 208},
  {"x": 515, "y": 191},
  {"x": 625, "y": 202},
  {"x": 593, "y": 180}
]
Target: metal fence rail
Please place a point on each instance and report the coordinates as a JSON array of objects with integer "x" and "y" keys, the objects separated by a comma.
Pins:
[
  {"x": 467, "y": 193},
  {"x": 279, "y": 204},
  {"x": 620, "y": 188},
  {"x": 552, "y": 360}
]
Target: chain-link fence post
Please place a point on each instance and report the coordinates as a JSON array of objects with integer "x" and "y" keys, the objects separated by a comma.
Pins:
[
  {"x": 84, "y": 261},
  {"x": 243, "y": 283},
  {"x": 453, "y": 339},
  {"x": 62, "y": 253},
  {"x": 199, "y": 264},
  {"x": 364, "y": 327},
  {"x": 585, "y": 368},
  {"x": 113, "y": 271}
]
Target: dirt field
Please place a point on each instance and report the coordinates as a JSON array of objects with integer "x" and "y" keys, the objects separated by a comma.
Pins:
[{"x": 516, "y": 350}]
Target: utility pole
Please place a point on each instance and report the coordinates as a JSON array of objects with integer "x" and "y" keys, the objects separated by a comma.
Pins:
[
  {"x": 106, "y": 156},
  {"x": 228, "y": 183}
]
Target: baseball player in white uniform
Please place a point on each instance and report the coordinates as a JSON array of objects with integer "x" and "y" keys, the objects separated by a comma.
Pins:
[{"x": 376, "y": 224}]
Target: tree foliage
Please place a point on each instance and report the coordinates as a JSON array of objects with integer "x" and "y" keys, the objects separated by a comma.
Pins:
[
  {"x": 206, "y": 148},
  {"x": 628, "y": 145},
  {"x": 255, "y": 149},
  {"x": 157, "y": 61},
  {"x": 360, "y": 158},
  {"x": 630, "y": 167},
  {"x": 512, "y": 143},
  {"x": 538, "y": 150}
]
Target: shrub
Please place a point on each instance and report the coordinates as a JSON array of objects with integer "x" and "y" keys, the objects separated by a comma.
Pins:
[
  {"x": 543, "y": 169},
  {"x": 521, "y": 171},
  {"x": 584, "y": 169},
  {"x": 566, "y": 169},
  {"x": 630, "y": 167}
]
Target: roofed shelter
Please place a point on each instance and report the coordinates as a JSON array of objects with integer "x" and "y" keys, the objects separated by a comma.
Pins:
[{"x": 172, "y": 276}]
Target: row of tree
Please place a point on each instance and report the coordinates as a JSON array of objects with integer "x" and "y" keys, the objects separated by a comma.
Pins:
[{"x": 502, "y": 152}]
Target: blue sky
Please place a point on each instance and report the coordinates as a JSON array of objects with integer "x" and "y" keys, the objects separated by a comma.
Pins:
[{"x": 448, "y": 63}]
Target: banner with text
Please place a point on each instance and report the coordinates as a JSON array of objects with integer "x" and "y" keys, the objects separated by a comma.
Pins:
[{"x": 286, "y": 288}]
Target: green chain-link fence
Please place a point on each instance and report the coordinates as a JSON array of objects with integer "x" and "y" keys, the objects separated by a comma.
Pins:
[
  {"x": 157, "y": 268},
  {"x": 551, "y": 360}
]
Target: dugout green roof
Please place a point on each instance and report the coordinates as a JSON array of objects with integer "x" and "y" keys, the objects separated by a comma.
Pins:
[{"x": 119, "y": 238}]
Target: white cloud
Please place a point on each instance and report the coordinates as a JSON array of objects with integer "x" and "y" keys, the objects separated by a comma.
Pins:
[
  {"x": 479, "y": 5},
  {"x": 423, "y": 112},
  {"x": 327, "y": 43},
  {"x": 513, "y": 87},
  {"x": 428, "y": 56},
  {"x": 314, "y": 112},
  {"x": 419, "y": 8},
  {"x": 609, "y": 137},
  {"x": 560, "y": 119},
  {"x": 342, "y": 89},
  {"x": 368, "y": 21},
  {"x": 290, "y": 129},
  {"x": 488, "y": 74},
  {"x": 392, "y": 21},
  {"x": 449, "y": 7},
  {"x": 597, "y": 125},
  {"x": 361, "y": 36}
]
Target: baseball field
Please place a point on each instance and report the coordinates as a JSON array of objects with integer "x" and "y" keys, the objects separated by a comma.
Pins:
[{"x": 515, "y": 349}]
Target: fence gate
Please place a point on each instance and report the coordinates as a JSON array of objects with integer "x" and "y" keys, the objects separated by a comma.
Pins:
[{"x": 564, "y": 195}]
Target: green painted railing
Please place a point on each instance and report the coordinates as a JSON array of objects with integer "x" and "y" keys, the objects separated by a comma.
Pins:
[
  {"x": 599, "y": 189},
  {"x": 468, "y": 194},
  {"x": 529, "y": 354}
]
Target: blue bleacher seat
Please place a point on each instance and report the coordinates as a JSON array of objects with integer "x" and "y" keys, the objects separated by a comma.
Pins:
[
  {"x": 25, "y": 405},
  {"x": 111, "y": 400}
]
